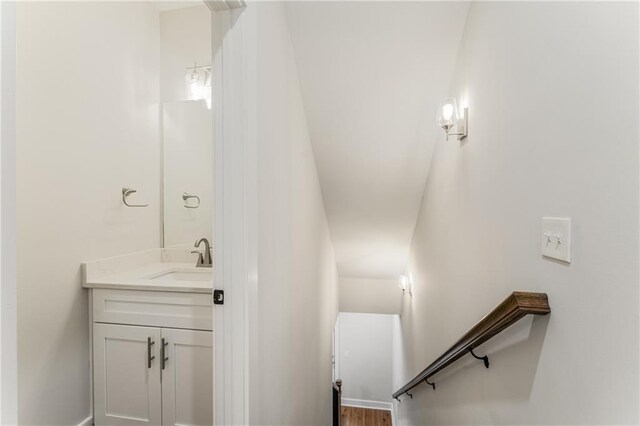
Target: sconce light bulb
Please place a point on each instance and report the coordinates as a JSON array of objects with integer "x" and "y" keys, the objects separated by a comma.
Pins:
[
  {"x": 195, "y": 77},
  {"x": 447, "y": 116},
  {"x": 447, "y": 111}
]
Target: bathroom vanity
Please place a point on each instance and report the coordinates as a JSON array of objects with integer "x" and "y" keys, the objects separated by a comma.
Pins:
[{"x": 151, "y": 318}]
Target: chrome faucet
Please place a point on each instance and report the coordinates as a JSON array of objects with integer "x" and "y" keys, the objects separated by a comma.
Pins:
[{"x": 203, "y": 261}]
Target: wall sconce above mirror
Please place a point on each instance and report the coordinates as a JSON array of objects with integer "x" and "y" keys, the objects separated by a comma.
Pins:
[
  {"x": 448, "y": 118},
  {"x": 199, "y": 83}
]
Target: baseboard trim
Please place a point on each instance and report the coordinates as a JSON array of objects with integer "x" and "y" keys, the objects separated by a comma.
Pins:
[
  {"x": 394, "y": 421},
  {"x": 86, "y": 422},
  {"x": 361, "y": 403}
]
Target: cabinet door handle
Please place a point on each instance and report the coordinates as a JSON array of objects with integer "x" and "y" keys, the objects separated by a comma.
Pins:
[
  {"x": 149, "y": 356},
  {"x": 164, "y": 358}
]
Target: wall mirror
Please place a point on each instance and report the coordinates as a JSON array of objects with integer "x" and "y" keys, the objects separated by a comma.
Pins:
[
  {"x": 187, "y": 172},
  {"x": 186, "y": 124}
]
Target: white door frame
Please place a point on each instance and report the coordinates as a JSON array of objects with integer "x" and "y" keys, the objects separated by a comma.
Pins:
[
  {"x": 235, "y": 218},
  {"x": 8, "y": 289}
]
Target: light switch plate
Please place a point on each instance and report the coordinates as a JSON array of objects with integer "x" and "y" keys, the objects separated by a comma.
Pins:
[{"x": 555, "y": 238}]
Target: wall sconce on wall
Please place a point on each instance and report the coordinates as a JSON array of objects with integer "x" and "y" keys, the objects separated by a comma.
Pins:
[
  {"x": 448, "y": 117},
  {"x": 405, "y": 284}
]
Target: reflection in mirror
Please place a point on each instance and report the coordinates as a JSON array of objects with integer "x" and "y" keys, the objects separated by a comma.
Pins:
[{"x": 187, "y": 172}]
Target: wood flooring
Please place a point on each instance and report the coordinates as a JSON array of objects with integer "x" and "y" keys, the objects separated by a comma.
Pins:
[{"x": 355, "y": 416}]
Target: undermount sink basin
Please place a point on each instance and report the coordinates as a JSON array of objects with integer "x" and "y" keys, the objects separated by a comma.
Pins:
[{"x": 183, "y": 275}]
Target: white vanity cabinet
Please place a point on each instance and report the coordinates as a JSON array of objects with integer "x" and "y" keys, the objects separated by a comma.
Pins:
[
  {"x": 127, "y": 389},
  {"x": 152, "y": 357},
  {"x": 187, "y": 386}
]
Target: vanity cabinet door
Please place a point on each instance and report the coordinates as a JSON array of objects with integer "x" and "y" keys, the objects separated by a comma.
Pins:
[
  {"x": 127, "y": 387},
  {"x": 187, "y": 377}
]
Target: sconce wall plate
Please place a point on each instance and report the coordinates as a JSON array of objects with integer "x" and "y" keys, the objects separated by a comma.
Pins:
[{"x": 462, "y": 126}]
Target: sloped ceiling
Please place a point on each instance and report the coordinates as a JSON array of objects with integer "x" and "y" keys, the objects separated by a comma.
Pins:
[{"x": 372, "y": 74}]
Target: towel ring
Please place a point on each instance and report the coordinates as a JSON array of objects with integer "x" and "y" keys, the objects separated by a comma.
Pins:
[
  {"x": 128, "y": 191},
  {"x": 186, "y": 197}
]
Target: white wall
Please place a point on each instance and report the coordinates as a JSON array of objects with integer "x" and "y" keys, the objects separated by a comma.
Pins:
[
  {"x": 336, "y": 348},
  {"x": 8, "y": 290},
  {"x": 552, "y": 90},
  {"x": 185, "y": 37},
  {"x": 296, "y": 305},
  {"x": 365, "y": 356},
  {"x": 87, "y": 125},
  {"x": 376, "y": 296}
]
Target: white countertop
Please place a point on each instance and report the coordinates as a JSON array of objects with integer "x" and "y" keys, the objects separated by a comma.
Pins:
[{"x": 148, "y": 271}]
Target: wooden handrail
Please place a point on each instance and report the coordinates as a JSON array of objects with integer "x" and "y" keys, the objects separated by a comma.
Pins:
[{"x": 516, "y": 306}]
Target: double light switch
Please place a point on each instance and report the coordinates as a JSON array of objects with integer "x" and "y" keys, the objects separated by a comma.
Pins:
[{"x": 556, "y": 238}]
